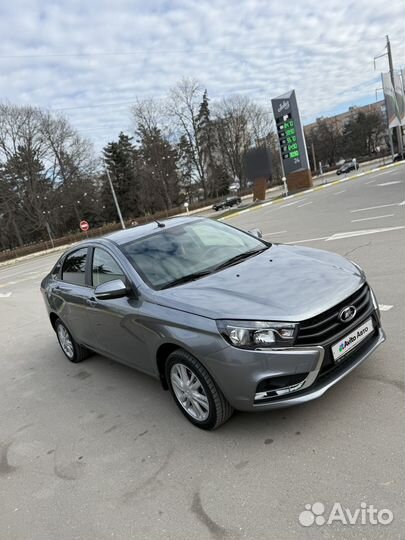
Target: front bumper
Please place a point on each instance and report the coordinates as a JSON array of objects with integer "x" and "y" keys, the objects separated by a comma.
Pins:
[
  {"x": 319, "y": 384},
  {"x": 238, "y": 373}
]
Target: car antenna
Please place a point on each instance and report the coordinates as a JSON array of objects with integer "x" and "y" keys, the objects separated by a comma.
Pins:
[{"x": 159, "y": 224}]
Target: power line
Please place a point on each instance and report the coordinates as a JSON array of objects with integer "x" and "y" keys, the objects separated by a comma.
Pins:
[
  {"x": 95, "y": 105},
  {"x": 134, "y": 52}
]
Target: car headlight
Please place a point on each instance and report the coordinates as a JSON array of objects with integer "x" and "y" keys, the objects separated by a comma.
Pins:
[{"x": 257, "y": 334}]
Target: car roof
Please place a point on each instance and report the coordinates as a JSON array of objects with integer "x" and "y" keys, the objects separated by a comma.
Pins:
[{"x": 126, "y": 235}]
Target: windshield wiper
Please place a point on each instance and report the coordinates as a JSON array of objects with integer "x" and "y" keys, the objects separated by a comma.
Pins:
[
  {"x": 187, "y": 278},
  {"x": 229, "y": 262},
  {"x": 240, "y": 257}
]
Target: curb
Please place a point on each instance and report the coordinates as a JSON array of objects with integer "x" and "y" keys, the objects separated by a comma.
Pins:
[
  {"x": 316, "y": 188},
  {"x": 50, "y": 251}
]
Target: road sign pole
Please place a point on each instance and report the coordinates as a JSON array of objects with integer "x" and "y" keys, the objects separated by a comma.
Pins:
[
  {"x": 117, "y": 206},
  {"x": 48, "y": 228}
]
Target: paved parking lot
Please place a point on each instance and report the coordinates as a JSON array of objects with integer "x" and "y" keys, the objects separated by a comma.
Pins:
[{"x": 99, "y": 451}]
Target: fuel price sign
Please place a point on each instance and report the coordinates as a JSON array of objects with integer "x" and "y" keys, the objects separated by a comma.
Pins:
[{"x": 290, "y": 133}]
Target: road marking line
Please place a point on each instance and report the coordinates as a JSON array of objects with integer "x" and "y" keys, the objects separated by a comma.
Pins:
[
  {"x": 308, "y": 240},
  {"x": 5, "y": 295},
  {"x": 384, "y": 172},
  {"x": 274, "y": 233},
  {"x": 291, "y": 203},
  {"x": 341, "y": 236},
  {"x": 22, "y": 273},
  {"x": 385, "y": 307},
  {"x": 339, "y": 192},
  {"x": 374, "y": 217},
  {"x": 376, "y": 207},
  {"x": 305, "y": 204},
  {"x": 17, "y": 281},
  {"x": 371, "y": 181},
  {"x": 390, "y": 183}
]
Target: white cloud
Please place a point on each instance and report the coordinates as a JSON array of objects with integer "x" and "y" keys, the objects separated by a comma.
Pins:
[{"x": 263, "y": 48}]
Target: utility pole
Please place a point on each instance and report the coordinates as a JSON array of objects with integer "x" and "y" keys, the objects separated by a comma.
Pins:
[
  {"x": 391, "y": 66},
  {"x": 117, "y": 206},
  {"x": 313, "y": 156},
  {"x": 48, "y": 228}
]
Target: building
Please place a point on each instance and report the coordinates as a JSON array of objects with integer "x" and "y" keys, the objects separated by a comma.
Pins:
[{"x": 341, "y": 119}]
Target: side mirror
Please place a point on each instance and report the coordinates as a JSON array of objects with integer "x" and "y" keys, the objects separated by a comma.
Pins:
[
  {"x": 111, "y": 289},
  {"x": 256, "y": 232}
]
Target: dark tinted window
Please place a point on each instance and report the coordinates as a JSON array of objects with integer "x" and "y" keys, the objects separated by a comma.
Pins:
[
  {"x": 105, "y": 268},
  {"x": 74, "y": 267}
]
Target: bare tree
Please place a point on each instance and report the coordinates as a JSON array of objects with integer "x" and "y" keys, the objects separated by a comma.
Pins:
[
  {"x": 44, "y": 165},
  {"x": 241, "y": 124},
  {"x": 183, "y": 108},
  {"x": 158, "y": 169}
]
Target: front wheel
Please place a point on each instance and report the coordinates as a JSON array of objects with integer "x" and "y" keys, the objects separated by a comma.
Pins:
[
  {"x": 73, "y": 351},
  {"x": 195, "y": 392}
]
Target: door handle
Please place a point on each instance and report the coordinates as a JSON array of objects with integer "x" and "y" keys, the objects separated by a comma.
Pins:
[
  {"x": 63, "y": 289},
  {"x": 91, "y": 302}
]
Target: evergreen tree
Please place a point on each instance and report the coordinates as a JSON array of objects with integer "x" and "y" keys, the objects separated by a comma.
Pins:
[
  {"x": 205, "y": 135},
  {"x": 158, "y": 170},
  {"x": 120, "y": 157}
]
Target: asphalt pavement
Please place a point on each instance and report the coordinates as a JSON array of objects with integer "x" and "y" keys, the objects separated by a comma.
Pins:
[
  {"x": 99, "y": 451},
  {"x": 277, "y": 191}
]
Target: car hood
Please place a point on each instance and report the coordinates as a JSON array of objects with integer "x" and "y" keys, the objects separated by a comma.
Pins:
[{"x": 284, "y": 283}]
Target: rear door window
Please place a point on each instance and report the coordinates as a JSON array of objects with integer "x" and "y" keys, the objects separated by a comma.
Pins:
[{"x": 74, "y": 267}]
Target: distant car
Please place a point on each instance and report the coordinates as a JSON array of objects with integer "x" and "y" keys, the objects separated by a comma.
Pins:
[
  {"x": 397, "y": 157},
  {"x": 227, "y": 203},
  {"x": 347, "y": 167}
]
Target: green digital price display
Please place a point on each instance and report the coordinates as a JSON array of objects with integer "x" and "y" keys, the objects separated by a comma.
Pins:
[{"x": 288, "y": 137}]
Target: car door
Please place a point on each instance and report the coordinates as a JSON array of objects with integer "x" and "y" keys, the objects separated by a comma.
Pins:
[
  {"x": 73, "y": 293},
  {"x": 116, "y": 322}
]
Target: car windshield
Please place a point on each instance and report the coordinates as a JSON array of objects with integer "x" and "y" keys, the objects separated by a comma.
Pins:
[{"x": 188, "y": 251}]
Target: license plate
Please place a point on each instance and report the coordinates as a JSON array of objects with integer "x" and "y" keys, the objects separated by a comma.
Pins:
[{"x": 351, "y": 341}]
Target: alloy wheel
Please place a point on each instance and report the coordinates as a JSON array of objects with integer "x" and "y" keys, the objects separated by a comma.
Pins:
[
  {"x": 189, "y": 392},
  {"x": 65, "y": 341}
]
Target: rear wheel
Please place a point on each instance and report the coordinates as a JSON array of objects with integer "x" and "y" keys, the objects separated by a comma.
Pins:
[
  {"x": 73, "y": 351},
  {"x": 195, "y": 392}
]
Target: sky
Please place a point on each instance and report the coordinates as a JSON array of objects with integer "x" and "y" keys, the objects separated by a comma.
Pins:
[{"x": 92, "y": 59}]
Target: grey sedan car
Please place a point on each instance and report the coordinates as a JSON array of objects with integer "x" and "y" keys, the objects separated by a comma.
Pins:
[{"x": 223, "y": 318}]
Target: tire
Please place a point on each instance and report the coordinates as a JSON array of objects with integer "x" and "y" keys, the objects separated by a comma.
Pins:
[
  {"x": 73, "y": 351},
  {"x": 215, "y": 409}
]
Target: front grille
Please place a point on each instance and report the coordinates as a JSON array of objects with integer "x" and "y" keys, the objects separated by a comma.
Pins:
[
  {"x": 327, "y": 327},
  {"x": 329, "y": 366}
]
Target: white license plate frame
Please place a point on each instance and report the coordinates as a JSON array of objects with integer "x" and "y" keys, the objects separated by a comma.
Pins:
[{"x": 352, "y": 340}]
